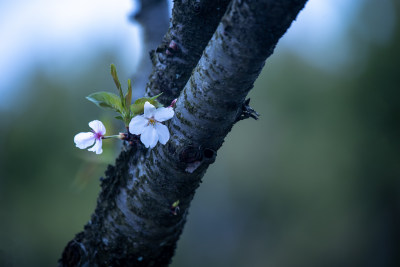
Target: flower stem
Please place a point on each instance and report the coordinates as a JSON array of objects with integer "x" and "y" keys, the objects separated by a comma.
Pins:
[{"x": 117, "y": 136}]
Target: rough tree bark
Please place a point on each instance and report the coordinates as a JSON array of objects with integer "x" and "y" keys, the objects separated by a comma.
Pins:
[{"x": 210, "y": 58}]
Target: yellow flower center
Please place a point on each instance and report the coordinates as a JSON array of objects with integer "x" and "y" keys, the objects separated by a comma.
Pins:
[{"x": 152, "y": 121}]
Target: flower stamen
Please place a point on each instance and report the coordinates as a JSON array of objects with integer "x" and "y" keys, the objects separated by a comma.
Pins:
[{"x": 152, "y": 121}]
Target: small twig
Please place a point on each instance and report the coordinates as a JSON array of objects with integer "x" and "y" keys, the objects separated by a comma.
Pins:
[{"x": 247, "y": 112}]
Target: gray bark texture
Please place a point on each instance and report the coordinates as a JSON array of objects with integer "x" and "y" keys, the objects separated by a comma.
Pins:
[{"x": 209, "y": 58}]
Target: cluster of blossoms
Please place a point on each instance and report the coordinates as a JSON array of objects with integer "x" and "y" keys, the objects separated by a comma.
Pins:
[
  {"x": 147, "y": 125},
  {"x": 142, "y": 118}
]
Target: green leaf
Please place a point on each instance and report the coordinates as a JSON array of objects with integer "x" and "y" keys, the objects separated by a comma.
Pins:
[
  {"x": 154, "y": 97},
  {"x": 175, "y": 204},
  {"x": 138, "y": 106},
  {"x": 117, "y": 83},
  {"x": 119, "y": 118},
  {"x": 137, "y": 109},
  {"x": 128, "y": 96},
  {"x": 106, "y": 100},
  {"x": 115, "y": 76}
]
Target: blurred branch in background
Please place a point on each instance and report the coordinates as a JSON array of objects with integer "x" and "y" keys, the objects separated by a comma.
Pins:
[{"x": 153, "y": 16}]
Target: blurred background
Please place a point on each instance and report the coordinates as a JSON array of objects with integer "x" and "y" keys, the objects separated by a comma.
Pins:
[{"x": 313, "y": 182}]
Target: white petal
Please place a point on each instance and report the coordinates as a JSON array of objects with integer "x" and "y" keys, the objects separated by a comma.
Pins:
[
  {"x": 83, "y": 140},
  {"x": 138, "y": 124},
  {"x": 163, "y": 133},
  {"x": 98, "y": 127},
  {"x": 149, "y": 110},
  {"x": 97, "y": 147},
  {"x": 149, "y": 137},
  {"x": 163, "y": 114}
]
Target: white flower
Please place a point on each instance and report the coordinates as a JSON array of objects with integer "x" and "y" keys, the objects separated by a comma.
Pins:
[
  {"x": 149, "y": 125},
  {"x": 84, "y": 140}
]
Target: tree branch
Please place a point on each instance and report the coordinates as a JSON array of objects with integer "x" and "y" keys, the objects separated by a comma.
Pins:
[
  {"x": 136, "y": 221},
  {"x": 192, "y": 25},
  {"x": 212, "y": 99}
]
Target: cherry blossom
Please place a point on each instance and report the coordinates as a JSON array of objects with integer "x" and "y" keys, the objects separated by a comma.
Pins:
[
  {"x": 84, "y": 140},
  {"x": 149, "y": 125}
]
